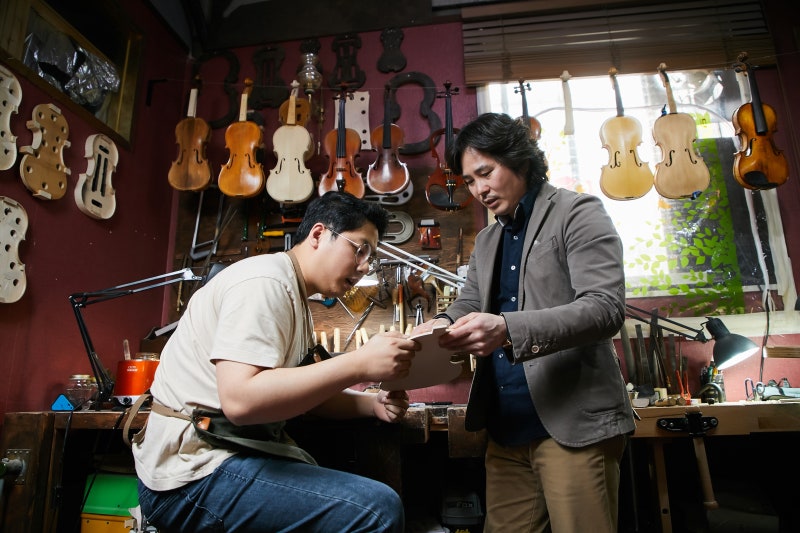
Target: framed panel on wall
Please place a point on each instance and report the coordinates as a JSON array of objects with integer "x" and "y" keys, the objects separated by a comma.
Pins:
[{"x": 86, "y": 55}]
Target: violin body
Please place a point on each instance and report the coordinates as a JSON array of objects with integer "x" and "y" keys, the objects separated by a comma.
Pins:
[
  {"x": 681, "y": 173},
  {"x": 759, "y": 164},
  {"x": 445, "y": 189},
  {"x": 626, "y": 176},
  {"x": 387, "y": 174},
  {"x": 342, "y": 145},
  {"x": 42, "y": 168},
  {"x": 530, "y": 122},
  {"x": 191, "y": 170},
  {"x": 290, "y": 181},
  {"x": 94, "y": 194},
  {"x": 242, "y": 176}
]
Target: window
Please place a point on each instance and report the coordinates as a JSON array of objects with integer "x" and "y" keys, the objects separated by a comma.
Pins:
[{"x": 700, "y": 257}]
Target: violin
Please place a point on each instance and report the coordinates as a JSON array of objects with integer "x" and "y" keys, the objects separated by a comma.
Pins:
[
  {"x": 342, "y": 146},
  {"x": 388, "y": 175},
  {"x": 759, "y": 164},
  {"x": 290, "y": 181},
  {"x": 626, "y": 176},
  {"x": 191, "y": 170},
  {"x": 531, "y": 123},
  {"x": 42, "y": 168},
  {"x": 681, "y": 173},
  {"x": 301, "y": 107},
  {"x": 242, "y": 176},
  {"x": 446, "y": 190},
  {"x": 94, "y": 194}
]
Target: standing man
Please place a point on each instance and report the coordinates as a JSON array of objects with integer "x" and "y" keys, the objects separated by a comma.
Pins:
[
  {"x": 236, "y": 353},
  {"x": 544, "y": 294}
]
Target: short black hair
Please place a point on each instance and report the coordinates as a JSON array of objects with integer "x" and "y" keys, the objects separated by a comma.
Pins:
[
  {"x": 341, "y": 211},
  {"x": 506, "y": 140}
]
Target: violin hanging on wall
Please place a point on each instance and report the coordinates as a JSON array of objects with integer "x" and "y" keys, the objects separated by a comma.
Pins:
[
  {"x": 94, "y": 194},
  {"x": 759, "y": 164},
  {"x": 530, "y": 122},
  {"x": 290, "y": 181},
  {"x": 242, "y": 176},
  {"x": 191, "y": 170},
  {"x": 626, "y": 176},
  {"x": 681, "y": 173},
  {"x": 387, "y": 174},
  {"x": 342, "y": 146},
  {"x": 446, "y": 190}
]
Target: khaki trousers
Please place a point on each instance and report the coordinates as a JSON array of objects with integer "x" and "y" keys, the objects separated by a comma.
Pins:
[{"x": 547, "y": 487}]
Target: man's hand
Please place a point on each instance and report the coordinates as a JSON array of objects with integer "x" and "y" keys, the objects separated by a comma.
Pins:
[
  {"x": 476, "y": 333},
  {"x": 391, "y": 406},
  {"x": 427, "y": 327},
  {"x": 386, "y": 356}
]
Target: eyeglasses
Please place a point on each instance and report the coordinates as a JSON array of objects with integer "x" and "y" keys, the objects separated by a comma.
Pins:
[{"x": 364, "y": 253}]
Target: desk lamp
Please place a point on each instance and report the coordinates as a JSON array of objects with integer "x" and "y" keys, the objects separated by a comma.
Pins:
[
  {"x": 729, "y": 348},
  {"x": 105, "y": 384}
]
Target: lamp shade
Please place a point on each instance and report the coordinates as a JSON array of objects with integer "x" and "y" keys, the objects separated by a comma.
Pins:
[{"x": 729, "y": 348}]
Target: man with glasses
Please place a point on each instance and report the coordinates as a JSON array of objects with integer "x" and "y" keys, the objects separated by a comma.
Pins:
[{"x": 237, "y": 354}]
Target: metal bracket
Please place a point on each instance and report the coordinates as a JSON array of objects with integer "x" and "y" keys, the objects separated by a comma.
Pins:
[
  {"x": 16, "y": 462},
  {"x": 694, "y": 423}
]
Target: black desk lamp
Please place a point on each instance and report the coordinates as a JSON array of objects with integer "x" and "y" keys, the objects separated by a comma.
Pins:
[
  {"x": 105, "y": 384},
  {"x": 729, "y": 348}
]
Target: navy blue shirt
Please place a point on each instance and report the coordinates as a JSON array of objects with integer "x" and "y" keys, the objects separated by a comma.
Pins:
[{"x": 513, "y": 420}]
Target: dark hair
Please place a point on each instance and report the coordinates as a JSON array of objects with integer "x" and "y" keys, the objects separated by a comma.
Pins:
[
  {"x": 505, "y": 139},
  {"x": 341, "y": 211}
]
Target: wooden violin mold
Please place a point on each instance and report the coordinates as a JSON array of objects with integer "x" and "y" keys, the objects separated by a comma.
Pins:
[
  {"x": 42, "y": 168},
  {"x": 94, "y": 193},
  {"x": 10, "y": 98},
  {"x": 13, "y": 225}
]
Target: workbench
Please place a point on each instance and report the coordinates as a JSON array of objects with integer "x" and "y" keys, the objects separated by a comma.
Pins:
[{"x": 32, "y": 504}]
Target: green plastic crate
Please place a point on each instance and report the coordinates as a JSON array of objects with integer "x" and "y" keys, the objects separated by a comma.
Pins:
[{"x": 111, "y": 494}]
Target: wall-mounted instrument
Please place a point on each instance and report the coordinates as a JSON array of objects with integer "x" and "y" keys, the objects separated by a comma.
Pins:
[
  {"x": 569, "y": 120},
  {"x": 759, "y": 164},
  {"x": 290, "y": 181},
  {"x": 681, "y": 173},
  {"x": 10, "y": 98},
  {"x": 446, "y": 190},
  {"x": 530, "y": 122},
  {"x": 94, "y": 194},
  {"x": 387, "y": 174},
  {"x": 191, "y": 170},
  {"x": 42, "y": 168},
  {"x": 342, "y": 146},
  {"x": 626, "y": 176},
  {"x": 242, "y": 176},
  {"x": 13, "y": 225}
]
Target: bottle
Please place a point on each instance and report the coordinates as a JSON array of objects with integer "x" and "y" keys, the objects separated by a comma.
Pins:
[{"x": 81, "y": 390}]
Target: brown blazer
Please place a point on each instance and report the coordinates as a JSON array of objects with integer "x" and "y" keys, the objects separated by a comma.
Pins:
[{"x": 572, "y": 302}]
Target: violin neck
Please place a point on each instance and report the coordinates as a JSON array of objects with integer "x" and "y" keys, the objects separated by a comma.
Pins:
[
  {"x": 448, "y": 121},
  {"x": 569, "y": 122},
  {"x": 192, "y": 111},
  {"x": 617, "y": 95},
  {"x": 292, "y": 111},
  {"x": 524, "y": 103},
  {"x": 759, "y": 119},
  {"x": 387, "y": 123},
  {"x": 340, "y": 134}
]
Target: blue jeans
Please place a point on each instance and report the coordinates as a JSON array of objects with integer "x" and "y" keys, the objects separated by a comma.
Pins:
[{"x": 253, "y": 493}]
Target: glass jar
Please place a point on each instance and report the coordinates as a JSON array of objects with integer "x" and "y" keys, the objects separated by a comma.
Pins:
[{"x": 81, "y": 390}]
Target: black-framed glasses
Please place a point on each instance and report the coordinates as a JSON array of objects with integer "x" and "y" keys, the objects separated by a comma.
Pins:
[{"x": 364, "y": 253}]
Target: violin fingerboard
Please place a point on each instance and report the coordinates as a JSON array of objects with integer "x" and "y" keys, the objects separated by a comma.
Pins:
[{"x": 356, "y": 117}]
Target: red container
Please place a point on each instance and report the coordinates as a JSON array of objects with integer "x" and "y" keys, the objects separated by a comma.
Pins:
[{"x": 134, "y": 377}]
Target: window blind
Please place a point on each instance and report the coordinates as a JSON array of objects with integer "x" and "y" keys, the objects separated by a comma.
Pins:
[{"x": 513, "y": 42}]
